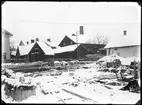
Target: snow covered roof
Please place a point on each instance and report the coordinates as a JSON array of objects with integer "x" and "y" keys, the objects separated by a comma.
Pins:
[
  {"x": 6, "y": 32},
  {"x": 24, "y": 50},
  {"x": 123, "y": 41},
  {"x": 47, "y": 50},
  {"x": 51, "y": 44},
  {"x": 81, "y": 38},
  {"x": 66, "y": 48}
]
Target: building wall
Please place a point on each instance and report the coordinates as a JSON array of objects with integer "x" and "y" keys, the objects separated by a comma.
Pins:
[
  {"x": 94, "y": 48},
  {"x": 32, "y": 57},
  {"x": 125, "y": 51},
  {"x": 6, "y": 46},
  {"x": 38, "y": 57},
  {"x": 91, "y": 48}
]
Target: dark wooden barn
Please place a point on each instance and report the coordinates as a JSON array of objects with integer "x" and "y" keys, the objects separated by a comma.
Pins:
[
  {"x": 91, "y": 48},
  {"x": 38, "y": 51},
  {"x": 71, "y": 51}
]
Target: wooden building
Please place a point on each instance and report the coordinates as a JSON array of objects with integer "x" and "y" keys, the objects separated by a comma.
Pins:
[
  {"x": 35, "y": 51},
  {"x": 71, "y": 51},
  {"x": 124, "y": 46},
  {"x": 84, "y": 46},
  {"x": 6, "y": 45}
]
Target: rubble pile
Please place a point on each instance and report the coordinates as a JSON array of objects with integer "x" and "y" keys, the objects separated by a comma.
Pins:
[
  {"x": 16, "y": 85},
  {"x": 87, "y": 84}
]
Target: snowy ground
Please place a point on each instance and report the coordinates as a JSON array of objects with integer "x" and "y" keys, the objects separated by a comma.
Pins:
[{"x": 82, "y": 82}]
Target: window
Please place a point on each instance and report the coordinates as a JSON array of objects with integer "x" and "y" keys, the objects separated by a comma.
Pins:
[
  {"x": 64, "y": 43},
  {"x": 115, "y": 49},
  {"x": 71, "y": 42},
  {"x": 36, "y": 50}
]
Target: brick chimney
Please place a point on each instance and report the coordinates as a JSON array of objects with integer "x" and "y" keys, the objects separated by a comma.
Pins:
[
  {"x": 21, "y": 43},
  {"x": 124, "y": 32},
  {"x": 81, "y": 30},
  {"x": 37, "y": 39},
  {"x": 27, "y": 42},
  {"x": 49, "y": 40},
  {"x": 32, "y": 41}
]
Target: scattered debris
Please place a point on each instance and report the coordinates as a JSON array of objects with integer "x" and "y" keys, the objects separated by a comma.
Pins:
[
  {"x": 132, "y": 86},
  {"x": 96, "y": 80}
]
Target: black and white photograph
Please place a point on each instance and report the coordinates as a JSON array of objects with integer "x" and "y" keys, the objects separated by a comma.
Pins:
[{"x": 70, "y": 52}]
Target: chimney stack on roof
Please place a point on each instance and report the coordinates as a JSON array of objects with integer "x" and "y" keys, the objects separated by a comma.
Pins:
[
  {"x": 124, "y": 32},
  {"x": 37, "y": 39},
  {"x": 21, "y": 43},
  {"x": 81, "y": 30},
  {"x": 32, "y": 41},
  {"x": 49, "y": 40}
]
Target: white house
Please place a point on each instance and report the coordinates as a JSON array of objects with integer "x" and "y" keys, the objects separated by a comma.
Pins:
[
  {"x": 125, "y": 46},
  {"x": 6, "y": 45}
]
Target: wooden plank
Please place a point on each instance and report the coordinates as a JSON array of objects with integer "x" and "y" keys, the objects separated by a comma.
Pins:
[
  {"x": 34, "y": 64},
  {"x": 78, "y": 95},
  {"x": 26, "y": 69}
]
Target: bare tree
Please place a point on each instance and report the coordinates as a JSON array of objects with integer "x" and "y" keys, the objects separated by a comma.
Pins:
[
  {"x": 12, "y": 47},
  {"x": 89, "y": 41},
  {"x": 99, "y": 39}
]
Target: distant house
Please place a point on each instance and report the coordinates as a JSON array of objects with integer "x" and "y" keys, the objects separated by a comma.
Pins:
[
  {"x": 70, "y": 51},
  {"x": 82, "y": 40},
  {"x": 125, "y": 46},
  {"x": 34, "y": 51},
  {"x": 6, "y": 45},
  {"x": 21, "y": 43}
]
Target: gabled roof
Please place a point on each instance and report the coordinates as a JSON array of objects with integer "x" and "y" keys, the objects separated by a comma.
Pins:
[
  {"x": 68, "y": 48},
  {"x": 47, "y": 50},
  {"x": 123, "y": 41},
  {"x": 81, "y": 38},
  {"x": 51, "y": 44},
  {"x": 6, "y": 32},
  {"x": 21, "y": 43},
  {"x": 24, "y": 50}
]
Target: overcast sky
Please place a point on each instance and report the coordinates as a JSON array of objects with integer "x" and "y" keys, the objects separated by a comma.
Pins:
[{"x": 28, "y": 20}]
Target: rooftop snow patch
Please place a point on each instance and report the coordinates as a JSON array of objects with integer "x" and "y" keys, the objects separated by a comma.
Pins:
[
  {"x": 69, "y": 48},
  {"x": 123, "y": 41}
]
